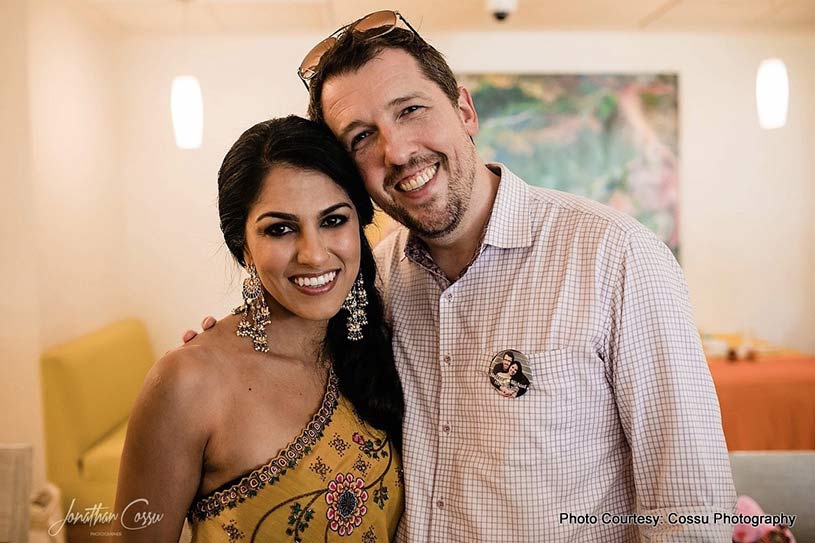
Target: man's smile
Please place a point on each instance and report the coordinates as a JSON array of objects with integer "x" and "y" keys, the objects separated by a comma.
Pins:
[{"x": 418, "y": 180}]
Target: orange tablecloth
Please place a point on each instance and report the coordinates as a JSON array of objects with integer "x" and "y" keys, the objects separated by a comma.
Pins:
[{"x": 768, "y": 403}]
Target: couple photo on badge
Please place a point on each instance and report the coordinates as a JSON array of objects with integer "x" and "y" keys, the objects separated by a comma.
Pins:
[{"x": 510, "y": 373}]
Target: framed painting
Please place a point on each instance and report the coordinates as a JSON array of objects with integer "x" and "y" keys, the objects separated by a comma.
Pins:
[{"x": 611, "y": 138}]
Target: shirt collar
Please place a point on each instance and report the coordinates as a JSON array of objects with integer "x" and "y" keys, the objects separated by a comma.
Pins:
[{"x": 508, "y": 226}]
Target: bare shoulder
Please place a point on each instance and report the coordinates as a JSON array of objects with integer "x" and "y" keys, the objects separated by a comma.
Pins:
[{"x": 188, "y": 379}]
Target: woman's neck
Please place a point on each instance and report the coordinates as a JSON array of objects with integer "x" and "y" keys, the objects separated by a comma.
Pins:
[{"x": 296, "y": 338}]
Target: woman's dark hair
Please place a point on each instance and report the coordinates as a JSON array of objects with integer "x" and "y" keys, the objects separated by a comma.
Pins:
[
  {"x": 520, "y": 378},
  {"x": 365, "y": 369}
]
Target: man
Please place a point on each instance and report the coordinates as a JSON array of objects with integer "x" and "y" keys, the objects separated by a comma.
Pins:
[
  {"x": 503, "y": 365},
  {"x": 620, "y": 415}
]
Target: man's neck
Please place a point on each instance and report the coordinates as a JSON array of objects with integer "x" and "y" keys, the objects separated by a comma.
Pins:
[{"x": 454, "y": 252}]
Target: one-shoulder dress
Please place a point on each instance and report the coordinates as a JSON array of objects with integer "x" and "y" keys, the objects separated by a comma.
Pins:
[{"x": 339, "y": 480}]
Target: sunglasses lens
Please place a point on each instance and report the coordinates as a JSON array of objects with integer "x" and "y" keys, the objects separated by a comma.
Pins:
[
  {"x": 309, "y": 65},
  {"x": 375, "y": 20},
  {"x": 386, "y": 20}
]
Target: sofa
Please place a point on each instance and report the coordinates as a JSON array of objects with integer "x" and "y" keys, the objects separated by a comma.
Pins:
[
  {"x": 780, "y": 482},
  {"x": 89, "y": 386}
]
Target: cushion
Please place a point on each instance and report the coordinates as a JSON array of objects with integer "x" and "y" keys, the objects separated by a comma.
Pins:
[{"x": 101, "y": 462}]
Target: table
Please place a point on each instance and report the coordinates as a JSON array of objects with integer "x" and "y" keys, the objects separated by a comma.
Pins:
[{"x": 767, "y": 403}]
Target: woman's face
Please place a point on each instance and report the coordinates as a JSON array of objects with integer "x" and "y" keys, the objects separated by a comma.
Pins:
[
  {"x": 513, "y": 369},
  {"x": 302, "y": 235}
]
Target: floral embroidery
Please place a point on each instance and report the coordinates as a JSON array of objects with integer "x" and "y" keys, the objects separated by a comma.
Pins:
[
  {"x": 346, "y": 499},
  {"x": 381, "y": 496},
  {"x": 320, "y": 468},
  {"x": 361, "y": 465},
  {"x": 339, "y": 444},
  {"x": 299, "y": 519},
  {"x": 400, "y": 476},
  {"x": 232, "y": 531},
  {"x": 369, "y": 536},
  {"x": 371, "y": 448},
  {"x": 270, "y": 473}
]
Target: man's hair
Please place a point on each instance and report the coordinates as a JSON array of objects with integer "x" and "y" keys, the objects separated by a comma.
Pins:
[{"x": 355, "y": 49}]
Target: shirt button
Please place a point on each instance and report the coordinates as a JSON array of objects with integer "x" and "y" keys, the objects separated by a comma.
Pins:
[
  {"x": 440, "y": 504},
  {"x": 446, "y": 428},
  {"x": 448, "y": 359},
  {"x": 449, "y": 296}
]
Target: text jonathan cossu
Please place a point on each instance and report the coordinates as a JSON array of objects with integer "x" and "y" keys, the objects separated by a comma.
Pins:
[{"x": 675, "y": 518}]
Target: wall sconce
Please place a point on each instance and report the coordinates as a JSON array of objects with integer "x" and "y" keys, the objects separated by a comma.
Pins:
[
  {"x": 772, "y": 94},
  {"x": 187, "y": 108}
]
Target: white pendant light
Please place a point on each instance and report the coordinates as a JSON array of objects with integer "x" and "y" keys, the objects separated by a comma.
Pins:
[
  {"x": 187, "y": 107},
  {"x": 772, "y": 94}
]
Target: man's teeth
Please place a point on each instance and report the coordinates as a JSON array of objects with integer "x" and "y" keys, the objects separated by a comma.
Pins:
[
  {"x": 315, "y": 281},
  {"x": 419, "y": 180}
]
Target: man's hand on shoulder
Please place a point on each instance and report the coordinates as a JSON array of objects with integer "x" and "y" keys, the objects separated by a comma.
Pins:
[{"x": 206, "y": 324}]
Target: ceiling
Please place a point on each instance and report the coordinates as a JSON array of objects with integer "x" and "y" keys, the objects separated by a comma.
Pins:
[{"x": 290, "y": 16}]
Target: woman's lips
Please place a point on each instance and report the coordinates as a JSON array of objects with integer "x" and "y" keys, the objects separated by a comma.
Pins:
[{"x": 315, "y": 284}]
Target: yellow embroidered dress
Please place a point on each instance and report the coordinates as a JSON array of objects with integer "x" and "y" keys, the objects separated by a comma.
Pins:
[{"x": 340, "y": 480}]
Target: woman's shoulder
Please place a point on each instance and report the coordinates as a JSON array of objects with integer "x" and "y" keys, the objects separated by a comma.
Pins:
[{"x": 194, "y": 371}]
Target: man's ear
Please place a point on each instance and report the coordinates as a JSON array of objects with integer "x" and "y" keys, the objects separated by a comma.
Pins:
[{"x": 467, "y": 112}]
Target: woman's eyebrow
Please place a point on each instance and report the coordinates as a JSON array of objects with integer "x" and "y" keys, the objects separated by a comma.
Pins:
[
  {"x": 277, "y": 215},
  {"x": 295, "y": 218},
  {"x": 333, "y": 208}
]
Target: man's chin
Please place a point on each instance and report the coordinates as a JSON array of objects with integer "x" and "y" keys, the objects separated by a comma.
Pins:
[{"x": 431, "y": 229}]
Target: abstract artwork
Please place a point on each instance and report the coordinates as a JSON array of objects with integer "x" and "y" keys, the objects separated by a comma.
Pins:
[{"x": 610, "y": 138}]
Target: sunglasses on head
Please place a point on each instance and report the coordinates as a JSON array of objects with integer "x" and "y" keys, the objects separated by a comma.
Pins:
[{"x": 385, "y": 20}]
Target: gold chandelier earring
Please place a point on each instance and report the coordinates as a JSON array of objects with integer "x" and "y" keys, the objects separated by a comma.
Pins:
[
  {"x": 254, "y": 312},
  {"x": 355, "y": 304}
]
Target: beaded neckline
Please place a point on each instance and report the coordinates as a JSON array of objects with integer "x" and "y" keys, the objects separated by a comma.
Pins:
[{"x": 233, "y": 493}]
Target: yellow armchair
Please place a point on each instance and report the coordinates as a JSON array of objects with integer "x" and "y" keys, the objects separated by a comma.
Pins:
[{"x": 89, "y": 387}]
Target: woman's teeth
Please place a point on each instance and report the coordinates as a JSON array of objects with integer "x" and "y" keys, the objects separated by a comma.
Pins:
[
  {"x": 315, "y": 281},
  {"x": 419, "y": 180}
]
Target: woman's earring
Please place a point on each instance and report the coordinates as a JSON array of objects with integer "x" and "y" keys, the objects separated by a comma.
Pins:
[
  {"x": 355, "y": 303},
  {"x": 254, "y": 311}
]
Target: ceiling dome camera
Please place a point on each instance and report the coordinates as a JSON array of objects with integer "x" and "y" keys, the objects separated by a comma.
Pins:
[{"x": 501, "y": 9}]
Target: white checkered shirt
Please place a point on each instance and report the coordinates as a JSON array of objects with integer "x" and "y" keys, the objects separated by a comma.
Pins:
[{"x": 621, "y": 415}]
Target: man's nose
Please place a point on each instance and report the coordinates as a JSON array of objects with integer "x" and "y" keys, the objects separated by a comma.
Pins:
[{"x": 397, "y": 146}]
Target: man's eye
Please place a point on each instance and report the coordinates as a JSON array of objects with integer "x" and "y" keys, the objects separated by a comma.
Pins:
[
  {"x": 278, "y": 230},
  {"x": 410, "y": 109},
  {"x": 334, "y": 221},
  {"x": 356, "y": 140}
]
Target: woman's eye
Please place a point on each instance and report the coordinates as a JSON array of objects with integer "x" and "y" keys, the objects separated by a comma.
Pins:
[
  {"x": 277, "y": 230},
  {"x": 333, "y": 221}
]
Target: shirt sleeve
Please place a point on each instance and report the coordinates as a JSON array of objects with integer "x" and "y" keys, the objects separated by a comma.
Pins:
[{"x": 666, "y": 399}]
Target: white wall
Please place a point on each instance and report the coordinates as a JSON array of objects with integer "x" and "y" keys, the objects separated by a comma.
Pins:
[
  {"x": 75, "y": 121},
  {"x": 62, "y": 217},
  {"x": 748, "y": 239},
  {"x": 20, "y": 420}
]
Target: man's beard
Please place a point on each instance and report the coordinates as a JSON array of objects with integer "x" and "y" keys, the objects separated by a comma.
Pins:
[{"x": 459, "y": 191}]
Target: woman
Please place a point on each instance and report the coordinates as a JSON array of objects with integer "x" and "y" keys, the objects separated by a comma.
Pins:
[
  {"x": 282, "y": 423},
  {"x": 513, "y": 382}
]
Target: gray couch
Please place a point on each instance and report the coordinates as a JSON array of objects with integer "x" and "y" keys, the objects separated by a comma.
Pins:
[{"x": 781, "y": 482}]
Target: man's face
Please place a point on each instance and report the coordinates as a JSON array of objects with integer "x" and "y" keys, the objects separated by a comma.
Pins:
[
  {"x": 411, "y": 144},
  {"x": 507, "y": 361}
]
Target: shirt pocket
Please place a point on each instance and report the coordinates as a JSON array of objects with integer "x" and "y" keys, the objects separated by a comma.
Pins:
[{"x": 541, "y": 425}]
